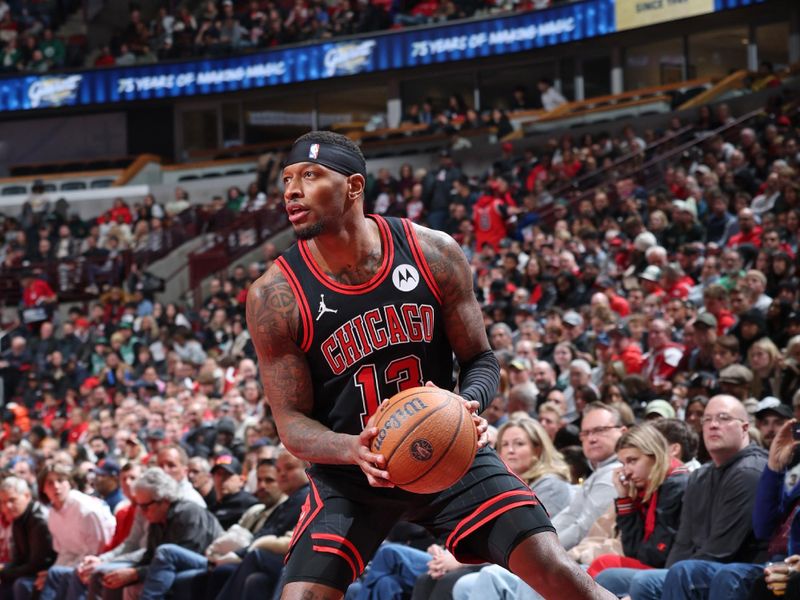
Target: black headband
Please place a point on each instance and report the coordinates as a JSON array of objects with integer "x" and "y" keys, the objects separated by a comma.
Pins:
[{"x": 338, "y": 158}]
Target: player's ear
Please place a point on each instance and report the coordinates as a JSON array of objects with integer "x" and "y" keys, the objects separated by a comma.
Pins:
[{"x": 355, "y": 185}]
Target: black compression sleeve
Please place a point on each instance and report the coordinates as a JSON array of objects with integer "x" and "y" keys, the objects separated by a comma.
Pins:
[{"x": 479, "y": 379}]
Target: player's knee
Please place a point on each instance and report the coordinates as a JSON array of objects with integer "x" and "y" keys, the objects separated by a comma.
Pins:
[{"x": 301, "y": 590}]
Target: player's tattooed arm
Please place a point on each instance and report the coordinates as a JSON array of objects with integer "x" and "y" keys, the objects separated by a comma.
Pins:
[
  {"x": 452, "y": 273},
  {"x": 272, "y": 318},
  {"x": 480, "y": 373}
]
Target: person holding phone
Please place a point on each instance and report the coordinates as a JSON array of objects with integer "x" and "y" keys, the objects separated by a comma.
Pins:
[
  {"x": 650, "y": 485},
  {"x": 776, "y": 517}
]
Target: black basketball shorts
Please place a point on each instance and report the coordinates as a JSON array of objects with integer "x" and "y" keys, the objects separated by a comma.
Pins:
[{"x": 481, "y": 518}]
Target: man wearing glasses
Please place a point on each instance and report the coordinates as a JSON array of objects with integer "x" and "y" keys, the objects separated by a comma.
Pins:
[
  {"x": 715, "y": 547},
  {"x": 171, "y": 520},
  {"x": 601, "y": 427}
]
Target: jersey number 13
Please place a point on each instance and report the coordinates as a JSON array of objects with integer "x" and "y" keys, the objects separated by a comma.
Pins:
[{"x": 404, "y": 373}]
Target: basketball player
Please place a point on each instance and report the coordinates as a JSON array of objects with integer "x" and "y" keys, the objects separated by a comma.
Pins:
[{"x": 360, "y": 308}]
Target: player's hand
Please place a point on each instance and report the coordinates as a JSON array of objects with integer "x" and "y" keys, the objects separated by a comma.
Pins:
[
  {"x": 373, "y": 465},
  {"x": 481, "y": 424}
]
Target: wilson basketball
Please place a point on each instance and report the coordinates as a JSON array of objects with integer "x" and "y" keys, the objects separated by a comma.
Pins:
[{"x": 428, "y": 439}]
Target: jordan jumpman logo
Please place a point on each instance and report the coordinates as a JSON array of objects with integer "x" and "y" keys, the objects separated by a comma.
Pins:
[{"x": 324, "y": 309}]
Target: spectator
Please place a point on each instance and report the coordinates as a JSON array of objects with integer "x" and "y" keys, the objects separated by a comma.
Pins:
[
  {"x": 231, "y": 500},
  {"x": 528, "y": 451},
  {"x": 171, "y": 520},
  {"x": 79, "y": 525},
  {"x": 601, "y": 427},
  {"x": 775, "y": 511},
  {"x": 273, "y": 515},
  {"x": 107, "y": 483},
  {"x": 551, "y": 98},
  {"x": 32, "y": 549},
  {"x": 174, "y": 461},
  {"x": 650, "y": 486},
  {"x": 715, "y": 518},
  {"x": 770, "y": 417}
]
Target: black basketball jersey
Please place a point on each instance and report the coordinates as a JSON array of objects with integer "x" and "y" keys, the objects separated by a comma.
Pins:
[{"x": 366, "y": 342}]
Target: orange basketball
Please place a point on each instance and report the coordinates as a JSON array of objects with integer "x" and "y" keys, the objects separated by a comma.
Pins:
[{"x": 428, "y": 439}]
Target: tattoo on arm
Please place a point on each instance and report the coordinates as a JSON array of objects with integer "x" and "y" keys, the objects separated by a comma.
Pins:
[
  {"x": 273, "y": 320},
  {"x": 462, "y": 313}
]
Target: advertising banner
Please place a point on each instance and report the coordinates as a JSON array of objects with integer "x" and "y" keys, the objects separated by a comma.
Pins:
[
  {"x": 640, "y": 13},
  {"x": 311, "y": 62}
]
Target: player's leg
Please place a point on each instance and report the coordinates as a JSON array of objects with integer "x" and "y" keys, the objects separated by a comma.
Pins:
[
  {"x": 302, "y": 590},
  {"x": 542, "y": 563},
  {"x": 338, "y": 533},
  {"x": 493, "y": 516}
]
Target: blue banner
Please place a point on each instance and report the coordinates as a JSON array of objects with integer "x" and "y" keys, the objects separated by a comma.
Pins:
[{"x": 395, "y": 50}]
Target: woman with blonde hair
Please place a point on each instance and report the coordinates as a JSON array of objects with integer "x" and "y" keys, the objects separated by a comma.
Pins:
[
  {"x": 765, "y": 360},
  {"x": 650, "y": 485},
  {"x": 526, "y": 448},
  {"x": 790, "y": 373}
]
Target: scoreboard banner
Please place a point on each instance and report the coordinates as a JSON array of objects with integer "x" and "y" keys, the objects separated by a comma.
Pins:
[{"x": 311, "y": 62}]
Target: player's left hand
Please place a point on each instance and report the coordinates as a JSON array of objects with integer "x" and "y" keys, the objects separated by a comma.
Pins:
[{"x": 481, "y": 424}]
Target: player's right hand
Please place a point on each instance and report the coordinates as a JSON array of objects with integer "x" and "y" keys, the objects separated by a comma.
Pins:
[{"x": 373, "y": 465}]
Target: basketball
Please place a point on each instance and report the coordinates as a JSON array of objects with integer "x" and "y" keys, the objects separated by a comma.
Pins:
[{"x": 428, "y": 439}]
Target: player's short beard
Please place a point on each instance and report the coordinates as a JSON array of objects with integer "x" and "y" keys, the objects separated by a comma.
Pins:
[{"x": 311, "y": 231}]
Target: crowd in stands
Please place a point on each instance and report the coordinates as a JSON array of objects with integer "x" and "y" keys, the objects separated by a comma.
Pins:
[
  {"x": 113, "y": 249},
  {"x": 215, "y": 28},
  {"x": 648, "y": 333},
  {"x": 27, "y": 36}
]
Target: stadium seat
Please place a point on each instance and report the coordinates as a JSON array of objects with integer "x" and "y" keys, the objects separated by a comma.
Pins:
[
  {"x": 73, "y": 185},
  {"x": 101, "y": 183},
  {"x": 13, "y": 190}
]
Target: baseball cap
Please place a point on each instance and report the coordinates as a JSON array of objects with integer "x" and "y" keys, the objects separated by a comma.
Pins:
[
  {"x": 227, "y": 462},
  {"x": 520, "y": 363},
  {"x": 661, "y": 408},
  {"x": 90, "y": 383},
  {"x": 686, "y": 206},
  {"x": 226, "y": 425},
  {"x": 108, "y": 468},
  {"x": 736, "y": 375},
  {"x": 651, "y": 273},
  {"x": 604, "y": 281},
  {"x": 706, "y": 319},
  {"x": 572, "y": 318},
  {"x": 771, "y": 404},
  {"x": 644, "y": 240},
  {"x": 156, "y": 434},
  {"x": 603, "y": 340},
  {"x": 620, "y": 329}
]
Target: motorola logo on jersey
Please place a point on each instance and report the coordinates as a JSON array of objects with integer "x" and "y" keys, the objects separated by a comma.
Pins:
[{"x": 405, "y": 277}]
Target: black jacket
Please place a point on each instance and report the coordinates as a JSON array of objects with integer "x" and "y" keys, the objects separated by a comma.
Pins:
[
  {"x": 283, "y": 518},
  {"x": 188, "y": 525},
  {"x": 631, "y": 523},
  {"x": 229, "y": 509},
  {"x": 32, "y": 546},
  {"x": 716, "y": 518}
]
